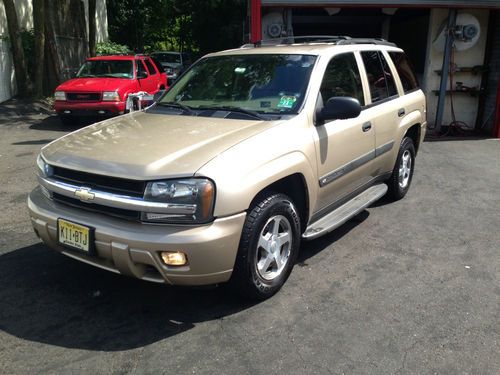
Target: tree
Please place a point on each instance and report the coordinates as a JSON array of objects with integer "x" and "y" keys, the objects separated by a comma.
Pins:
[
  {"x": 92, "y": 27},
  {"x": 39, "y": 25},
  {"x": 22, "y": 78}
]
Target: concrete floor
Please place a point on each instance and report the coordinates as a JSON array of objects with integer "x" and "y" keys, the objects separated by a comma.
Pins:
[{"x": 411, "y": 287}]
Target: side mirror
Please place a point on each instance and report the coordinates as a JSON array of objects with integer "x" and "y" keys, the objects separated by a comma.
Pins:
[
  {"x": 338, "y": 108},
  {"x": 142, "y": 75}
]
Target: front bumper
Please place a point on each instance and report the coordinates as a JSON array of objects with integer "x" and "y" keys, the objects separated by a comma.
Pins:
[
  {"x": 89, "y": 108},
  {"x": 133, "y": 249}
]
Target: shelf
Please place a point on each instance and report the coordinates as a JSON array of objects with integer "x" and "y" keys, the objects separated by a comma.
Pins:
[
  {"x": 475, "y": 70},
  {"x": 474, "y": 92}
]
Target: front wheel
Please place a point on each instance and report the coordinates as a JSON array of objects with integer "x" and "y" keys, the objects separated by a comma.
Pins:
[
  {"x": 268, "y": 247},
  {"x": 400, "y": 180}
]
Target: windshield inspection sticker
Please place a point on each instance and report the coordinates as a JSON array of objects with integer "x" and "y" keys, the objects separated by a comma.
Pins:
[
  {"x": 240, "y": 70},
  {"x": 287, "y": 102}
]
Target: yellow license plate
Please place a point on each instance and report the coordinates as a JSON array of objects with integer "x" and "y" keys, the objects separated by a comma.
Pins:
[{"x": 74, "y": 235}]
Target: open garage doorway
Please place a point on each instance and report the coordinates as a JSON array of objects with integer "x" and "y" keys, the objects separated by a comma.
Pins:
[{"x": 408, "y": 28}]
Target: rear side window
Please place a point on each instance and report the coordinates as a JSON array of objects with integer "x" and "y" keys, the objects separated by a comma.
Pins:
[
  {"x": 405, "y": 71},
  {"x": 140, "y": 68},
  {"x": 342, "y": 78},
  {"x": 151, "y": 68},
  {"x": 379, "y": 75}
]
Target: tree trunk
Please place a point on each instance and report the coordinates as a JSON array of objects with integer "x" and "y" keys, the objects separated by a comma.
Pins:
[
  {"x": 17, "y": 48},
  {"x": 39, "y": 25},
  {"x": 92, "y": 27}
]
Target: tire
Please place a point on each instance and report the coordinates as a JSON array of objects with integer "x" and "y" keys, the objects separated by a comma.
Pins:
[
  {"x": 402, "y": 174},
  {"x": 268, "y": 247},
  {"x": 69, "y": 120}
]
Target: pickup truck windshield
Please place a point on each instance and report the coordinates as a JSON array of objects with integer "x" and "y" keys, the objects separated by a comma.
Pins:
[
  {"x": 270, "y": 84},
  {"x": 107, "y": 68}
]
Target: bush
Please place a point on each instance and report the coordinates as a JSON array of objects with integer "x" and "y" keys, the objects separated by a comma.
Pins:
[{"x": 110, "y": 48}]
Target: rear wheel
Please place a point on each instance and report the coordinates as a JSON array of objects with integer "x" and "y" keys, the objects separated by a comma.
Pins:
[
  {"x": 400, "y": 180},
  {"x": 268, "y": 247}
]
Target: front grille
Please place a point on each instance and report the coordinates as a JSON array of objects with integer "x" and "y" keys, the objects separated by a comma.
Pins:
[
  {"x": 112, "y": 211},
  {"x": 83, "y": 96},
  {"x": 115, "y": 185}
]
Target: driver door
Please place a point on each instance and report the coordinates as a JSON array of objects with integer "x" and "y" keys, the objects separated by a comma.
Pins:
[{"x": 344, "y": 148}]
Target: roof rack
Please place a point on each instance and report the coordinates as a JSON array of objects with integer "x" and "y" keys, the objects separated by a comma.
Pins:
[{"x": 334, "y": 39}]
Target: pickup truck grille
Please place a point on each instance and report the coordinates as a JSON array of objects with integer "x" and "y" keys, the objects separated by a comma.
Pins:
[
  {"x": 83, "y": 96},
  {"x": 115, "y": 185}
]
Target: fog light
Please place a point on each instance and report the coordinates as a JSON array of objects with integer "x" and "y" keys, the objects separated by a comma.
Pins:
[
  {"x": 101, "y": 112},
  {"x": 174, "y": 258}
]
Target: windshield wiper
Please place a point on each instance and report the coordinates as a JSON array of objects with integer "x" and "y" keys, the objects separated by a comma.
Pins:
[
  {"x": 185, "y": 108},
  {"x": 234, "y": 109}
]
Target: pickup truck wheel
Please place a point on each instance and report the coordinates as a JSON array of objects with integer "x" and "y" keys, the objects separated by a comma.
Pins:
[
  {"x": 400, "y": 180},
  {"x": 268, "y": 247}
]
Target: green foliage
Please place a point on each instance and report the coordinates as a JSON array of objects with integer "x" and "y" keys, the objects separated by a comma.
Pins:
[
  {"x": 110, "y": 48},
  {"x": 197, "y": 26}
]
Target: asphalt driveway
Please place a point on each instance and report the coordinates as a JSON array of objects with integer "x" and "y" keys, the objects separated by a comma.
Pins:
[{"x": 406, "y": 287}]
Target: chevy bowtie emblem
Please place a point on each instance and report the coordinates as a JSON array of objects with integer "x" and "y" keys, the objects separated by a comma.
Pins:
[{"x": 84, "y": 194}]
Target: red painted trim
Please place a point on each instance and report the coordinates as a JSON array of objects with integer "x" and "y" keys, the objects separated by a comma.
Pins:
[
  {"x": 256, "y": 21},
  {"x": 496, "y": 124}
]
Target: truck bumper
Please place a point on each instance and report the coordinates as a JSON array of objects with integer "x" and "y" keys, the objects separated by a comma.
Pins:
[
  {"x": 89, "y": 108},
  {"x": 133, "y": 248}
]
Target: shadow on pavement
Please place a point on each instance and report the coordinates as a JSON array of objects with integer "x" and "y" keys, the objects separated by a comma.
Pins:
[
  {"x": 54, "y": 123},
  {"x": 48, "y": 298}
]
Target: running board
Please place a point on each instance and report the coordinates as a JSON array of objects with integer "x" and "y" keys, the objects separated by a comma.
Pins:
[{"x": 345, "y": 212}]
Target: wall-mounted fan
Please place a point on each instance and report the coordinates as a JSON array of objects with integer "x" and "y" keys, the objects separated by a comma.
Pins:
[{"x": 466, "y": 33}]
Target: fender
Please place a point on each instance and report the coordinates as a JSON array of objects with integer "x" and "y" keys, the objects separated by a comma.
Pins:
[{"x": 236, "y": 190}]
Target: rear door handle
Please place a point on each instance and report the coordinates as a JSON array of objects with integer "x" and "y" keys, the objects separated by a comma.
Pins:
[
  {"x": 366, "y": 126},
  {"x": 401, "y": 112}
]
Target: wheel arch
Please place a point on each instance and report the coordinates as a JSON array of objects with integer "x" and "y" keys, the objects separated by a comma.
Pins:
[
  {"x": 414, "y": 133},
  {"x": 293, "y": 186}
]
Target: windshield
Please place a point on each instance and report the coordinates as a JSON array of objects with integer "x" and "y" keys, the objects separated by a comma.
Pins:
[
  {"x": 168, "y": 57},
  {"x": 271, "y": 84},
  {"x": 107, "y": 68}
]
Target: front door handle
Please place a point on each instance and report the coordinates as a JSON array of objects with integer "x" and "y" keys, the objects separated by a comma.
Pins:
[
  {"x": 401, "y": 112},
  {"x": 366, "y": 126}
]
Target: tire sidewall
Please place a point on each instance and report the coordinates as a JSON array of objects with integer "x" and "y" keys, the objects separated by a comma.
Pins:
[
  {"x": 278, "y": 205},
  {"x": 406, "y": 144}
]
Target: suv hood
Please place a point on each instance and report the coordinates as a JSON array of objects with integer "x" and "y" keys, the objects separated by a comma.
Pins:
[
  {"x": 146, "y": 146},
  {"x": 88, "y": 84}
]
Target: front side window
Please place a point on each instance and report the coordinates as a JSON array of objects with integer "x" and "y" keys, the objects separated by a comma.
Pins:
[
  {"x": 380, "y": 81},
  {"x": 342, "y": 78},
  {"x": 107, "y": 68},
  {"x": 263, "y": 83}
]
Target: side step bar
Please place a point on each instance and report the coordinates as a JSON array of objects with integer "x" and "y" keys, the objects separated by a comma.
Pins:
[{"x": 342, "y": 214}]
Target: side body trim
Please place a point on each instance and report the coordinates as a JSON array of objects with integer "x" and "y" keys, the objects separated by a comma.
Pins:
[{"x": 356, "y": 163}]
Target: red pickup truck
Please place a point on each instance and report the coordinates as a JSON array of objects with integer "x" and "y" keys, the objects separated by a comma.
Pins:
[{"x": 102, "y": 85}]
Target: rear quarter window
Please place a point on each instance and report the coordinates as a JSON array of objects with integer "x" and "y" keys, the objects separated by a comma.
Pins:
[{"x": 405, "y": 71}]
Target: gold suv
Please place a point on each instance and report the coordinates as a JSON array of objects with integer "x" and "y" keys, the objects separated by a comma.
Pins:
[{"x": 250, "y": 152}]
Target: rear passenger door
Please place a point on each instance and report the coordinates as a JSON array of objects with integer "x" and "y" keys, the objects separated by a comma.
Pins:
[
  {"x": 344, "y": 148},
  {"x": 148, "y": 83},
  {"x": 384, "y": 109}
]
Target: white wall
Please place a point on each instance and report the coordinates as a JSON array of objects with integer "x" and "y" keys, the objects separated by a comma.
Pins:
[{"x": 466, "y": 107}]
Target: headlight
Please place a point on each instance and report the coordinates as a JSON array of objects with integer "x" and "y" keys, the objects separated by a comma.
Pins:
[
  {"x": 44, "y": 169},
  {"x": 60, "y": 95},
  {"x": 110, "y": 96},
  {"x": 191, "y": 200}
]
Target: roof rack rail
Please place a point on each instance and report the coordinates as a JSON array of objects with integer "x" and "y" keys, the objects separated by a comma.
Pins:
[
  {"x": 378, "y": 41},
  {"x": 336, "y": 39}
]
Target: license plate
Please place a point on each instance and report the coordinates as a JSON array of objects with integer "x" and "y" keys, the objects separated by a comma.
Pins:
[{"x": 74, "y": 235}]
